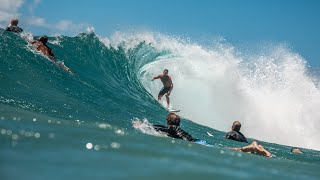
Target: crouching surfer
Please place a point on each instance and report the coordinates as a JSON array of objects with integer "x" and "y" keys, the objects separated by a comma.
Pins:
[{"x": 173, "y": 128}]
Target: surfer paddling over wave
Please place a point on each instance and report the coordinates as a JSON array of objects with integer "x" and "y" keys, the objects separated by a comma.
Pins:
[{"x": 41, "y": 45}]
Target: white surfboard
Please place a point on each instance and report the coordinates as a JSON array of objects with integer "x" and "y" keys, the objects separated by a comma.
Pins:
[
  {"x": 174, "y": 110},
  {"x": 209, "y": 134}
]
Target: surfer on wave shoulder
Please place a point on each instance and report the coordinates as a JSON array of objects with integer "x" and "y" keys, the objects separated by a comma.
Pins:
[
  {"x": 167, "y": 85},
  {"x": 41, "y": 46}
]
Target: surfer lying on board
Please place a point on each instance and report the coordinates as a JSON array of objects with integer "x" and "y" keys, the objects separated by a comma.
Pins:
[
  {"x": 167, "y": 85},
  {"x": 235, "y": 134},
  {"x": 173, "y": 128},
  {"x": 41, "y": 46},
  {"x": 254, "y": 148}
]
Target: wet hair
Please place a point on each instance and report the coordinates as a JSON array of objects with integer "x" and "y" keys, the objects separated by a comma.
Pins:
[
  {"x": 43, "y": 39},
  {"x": 14, "y": 22},
  {"x": 236, "y": 126},
  {"x": 166, "y": 70},
  {"x": 173, "y": 119}
]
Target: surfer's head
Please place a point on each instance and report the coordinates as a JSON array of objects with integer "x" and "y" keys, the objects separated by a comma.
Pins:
[
  {"x": 14, "y": 22},
  {"x": 173, "y": 119},
  {"x": 236, "y": 126},
  {"x": 43, "y": 39},
  {"x": 166, "y": 71}
]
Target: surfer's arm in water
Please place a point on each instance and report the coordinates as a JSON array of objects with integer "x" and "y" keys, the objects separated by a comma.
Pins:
[{"x": 184, "y": 135}]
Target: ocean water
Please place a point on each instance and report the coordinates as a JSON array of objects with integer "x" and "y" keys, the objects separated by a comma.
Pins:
[{"x": 57, "y": 126}]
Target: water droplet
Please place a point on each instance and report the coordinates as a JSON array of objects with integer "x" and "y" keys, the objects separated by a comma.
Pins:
[
  {"x": 115, "y": 145},
  {"x": 14, "y": 137},
  {"x": 51, "y": 135},
  {"x": 37, "y": 135},
  {"x": 21, "y": 132},
  {"x": 119, "y": 131},
  {"x": 104, "y": 126},
  {"x": 89, "y": 145},
  {"x": 34, "y": 119},
  {"x": 97, "y": 147},
  {"x": 28, "y": 134},
  {"x": 9, "y": 132}
]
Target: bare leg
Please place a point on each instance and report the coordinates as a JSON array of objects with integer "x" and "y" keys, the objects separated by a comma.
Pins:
[
  {"x": 254, "y": 148},
  {"x": 168, "y": 100}
]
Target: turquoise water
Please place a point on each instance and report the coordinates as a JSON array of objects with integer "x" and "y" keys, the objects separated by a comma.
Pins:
[{"x": 57, "y": 126}]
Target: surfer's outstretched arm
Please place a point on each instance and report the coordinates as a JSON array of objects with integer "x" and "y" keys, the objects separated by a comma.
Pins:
[{"x": 156, "y": 77}]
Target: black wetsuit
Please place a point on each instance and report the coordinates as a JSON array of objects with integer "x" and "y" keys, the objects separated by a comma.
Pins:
[
  {"x": 236, "y": 136},
  {"x": 174, "y": 131},
  {"x": 15, "y": 29}
]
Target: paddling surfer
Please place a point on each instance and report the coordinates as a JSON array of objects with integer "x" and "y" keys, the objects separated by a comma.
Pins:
[
  {"x": 173, "y": 128},
  {"x": 42, "y": 46}
]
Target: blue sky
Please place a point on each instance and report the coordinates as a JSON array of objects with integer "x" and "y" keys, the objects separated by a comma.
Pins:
[{"x": 295, "y": 22}]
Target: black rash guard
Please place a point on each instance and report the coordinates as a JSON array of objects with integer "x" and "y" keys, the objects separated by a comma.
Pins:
[
  {"x": 236, "y": 136},
  {"x": 175, "y": 132}
]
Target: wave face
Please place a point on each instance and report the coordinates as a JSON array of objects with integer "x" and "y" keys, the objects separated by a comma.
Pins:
[
  {"x": 45, "y": 110},
  {"x": 105, "y": 79},
  {"x": 272, "y": 93}
]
